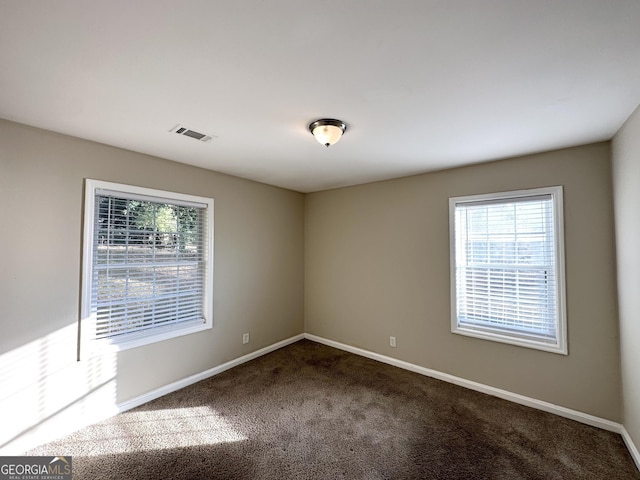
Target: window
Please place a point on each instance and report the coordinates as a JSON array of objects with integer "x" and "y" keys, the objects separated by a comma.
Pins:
[
  {"x": 148, "y": 266},
  {"x": 507, "y": 268}
]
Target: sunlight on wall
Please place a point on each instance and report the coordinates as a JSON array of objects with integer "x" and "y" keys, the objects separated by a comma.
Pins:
[
  {"x": 46, "y": 393},
  {"x": 150, "y": 429}
]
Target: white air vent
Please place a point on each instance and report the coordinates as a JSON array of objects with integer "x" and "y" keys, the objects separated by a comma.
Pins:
[{"x": 187, "y": 132}]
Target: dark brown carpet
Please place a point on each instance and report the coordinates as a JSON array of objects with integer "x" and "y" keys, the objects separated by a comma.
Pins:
[{"x": 308, "y": 411}]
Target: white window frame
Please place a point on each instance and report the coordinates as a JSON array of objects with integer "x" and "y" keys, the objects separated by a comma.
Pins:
[
  {"x": 559, "y": 345},
  {"x": 90, "y": 346}
]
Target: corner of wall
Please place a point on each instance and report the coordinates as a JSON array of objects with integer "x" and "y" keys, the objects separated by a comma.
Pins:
[{"x": 626, "y": 190}]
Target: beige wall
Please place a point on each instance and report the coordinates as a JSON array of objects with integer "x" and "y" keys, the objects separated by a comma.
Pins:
[
  {"x": 626, "y": 177},
  {"x": 377, "y": 264},
  {"x": 258, "y": 284}
]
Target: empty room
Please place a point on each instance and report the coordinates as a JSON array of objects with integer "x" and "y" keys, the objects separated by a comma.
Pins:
[{"x": 358, "y": 239}]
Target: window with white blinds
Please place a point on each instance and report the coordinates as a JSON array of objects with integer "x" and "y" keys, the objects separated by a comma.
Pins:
[
  {"x": 147, "y": 265},
  {"x": 507, "y": 268}
]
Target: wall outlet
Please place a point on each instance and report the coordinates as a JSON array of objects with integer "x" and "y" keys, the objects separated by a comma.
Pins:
[
  {"x": 245, "y": 338},
  {"x": 392, "y": 341}
]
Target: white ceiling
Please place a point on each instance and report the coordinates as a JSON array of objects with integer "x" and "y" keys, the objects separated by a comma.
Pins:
[{"x": 422, "y": 84}]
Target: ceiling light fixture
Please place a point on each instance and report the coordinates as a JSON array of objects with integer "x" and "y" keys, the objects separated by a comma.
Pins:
[{"x": 327, "y": 131}]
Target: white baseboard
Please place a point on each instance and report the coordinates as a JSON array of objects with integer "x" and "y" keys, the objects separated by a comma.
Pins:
[
  {"x": 185, "y": 382},
  {"x": 61, "y": 425},
  {"x": 633, "y": 450},
  {"x": 479, "y": 387}
]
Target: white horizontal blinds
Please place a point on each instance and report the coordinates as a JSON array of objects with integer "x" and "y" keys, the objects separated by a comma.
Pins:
[
  {"x": 148, "y": 264},
  {"x": 506, "y": 266}
]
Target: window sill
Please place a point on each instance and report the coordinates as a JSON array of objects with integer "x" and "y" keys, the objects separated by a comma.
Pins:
[
  {"x": 558, "y": 348},
  {"x": 94, "y": 348}
]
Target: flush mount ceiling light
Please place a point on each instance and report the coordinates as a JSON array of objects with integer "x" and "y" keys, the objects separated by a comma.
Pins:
[{"x": 327, "y": 131}]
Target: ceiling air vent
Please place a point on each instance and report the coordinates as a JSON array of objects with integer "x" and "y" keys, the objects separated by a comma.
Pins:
[{"x": 187, "y": 132}]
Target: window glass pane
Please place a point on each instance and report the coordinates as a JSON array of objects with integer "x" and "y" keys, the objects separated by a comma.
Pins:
[
  {"x": 505, "y": 266},
  {"x": 149, "y": 267}
]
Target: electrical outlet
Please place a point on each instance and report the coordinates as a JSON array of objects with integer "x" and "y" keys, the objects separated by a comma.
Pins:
[
  {"x": 392, "y": 341},
  {"x": 245, "y": 338}
]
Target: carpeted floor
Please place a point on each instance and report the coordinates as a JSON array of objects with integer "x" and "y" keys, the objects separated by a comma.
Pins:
[{"x": 308, "y": 411}]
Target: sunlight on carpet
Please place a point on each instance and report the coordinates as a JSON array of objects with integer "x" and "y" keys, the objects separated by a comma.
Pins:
[{"x": 140, "y": 431}]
